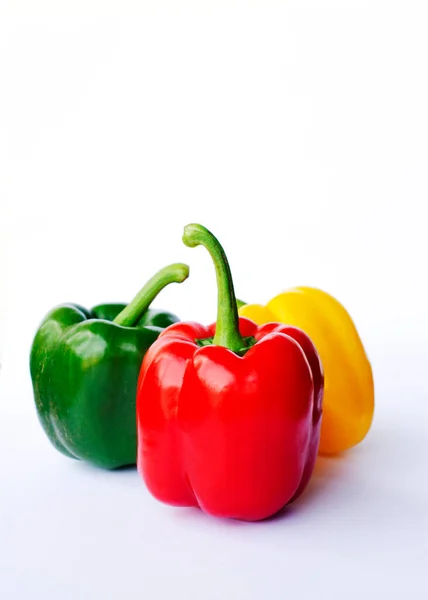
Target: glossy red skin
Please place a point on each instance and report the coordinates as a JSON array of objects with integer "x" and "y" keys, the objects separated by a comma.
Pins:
[{"x": 235, "y": 436}]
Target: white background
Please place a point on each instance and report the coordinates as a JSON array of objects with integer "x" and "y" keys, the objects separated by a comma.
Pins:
[{"x": 298, "y": 133}]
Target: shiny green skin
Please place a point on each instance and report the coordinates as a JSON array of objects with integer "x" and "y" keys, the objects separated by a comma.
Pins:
[{"x": 84, "y": 370}]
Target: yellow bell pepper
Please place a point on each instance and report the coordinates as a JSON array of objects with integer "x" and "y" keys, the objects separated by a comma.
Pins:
[{"x": 349, "y": 390}]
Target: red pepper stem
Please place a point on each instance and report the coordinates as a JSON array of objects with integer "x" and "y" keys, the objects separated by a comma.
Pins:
[
  {"x": 227, "y": 326},
  {"x": 175, "y": 273}
]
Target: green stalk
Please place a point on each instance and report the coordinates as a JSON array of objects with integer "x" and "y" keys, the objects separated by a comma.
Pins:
[
  {"x": 227, "y": 327},
  {"x": 175, "y": 273}
]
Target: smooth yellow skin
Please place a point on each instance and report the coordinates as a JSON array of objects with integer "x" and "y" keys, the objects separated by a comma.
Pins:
[{"x": 348, "y": 404}]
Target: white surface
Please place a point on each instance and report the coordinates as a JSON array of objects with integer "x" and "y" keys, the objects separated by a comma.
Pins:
[{"x": 298, "y": 134}]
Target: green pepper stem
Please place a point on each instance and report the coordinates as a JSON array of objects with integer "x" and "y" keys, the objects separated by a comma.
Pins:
[
  {"x": 227, "y": 326},
  {"x": 175, "y": 273}
]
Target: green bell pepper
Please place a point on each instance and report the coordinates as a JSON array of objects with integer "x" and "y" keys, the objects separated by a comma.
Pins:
[{"x": 84, "y": 367}]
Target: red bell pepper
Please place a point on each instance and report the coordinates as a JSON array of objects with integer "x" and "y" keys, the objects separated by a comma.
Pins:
[{"x": 229, "y": 415}]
